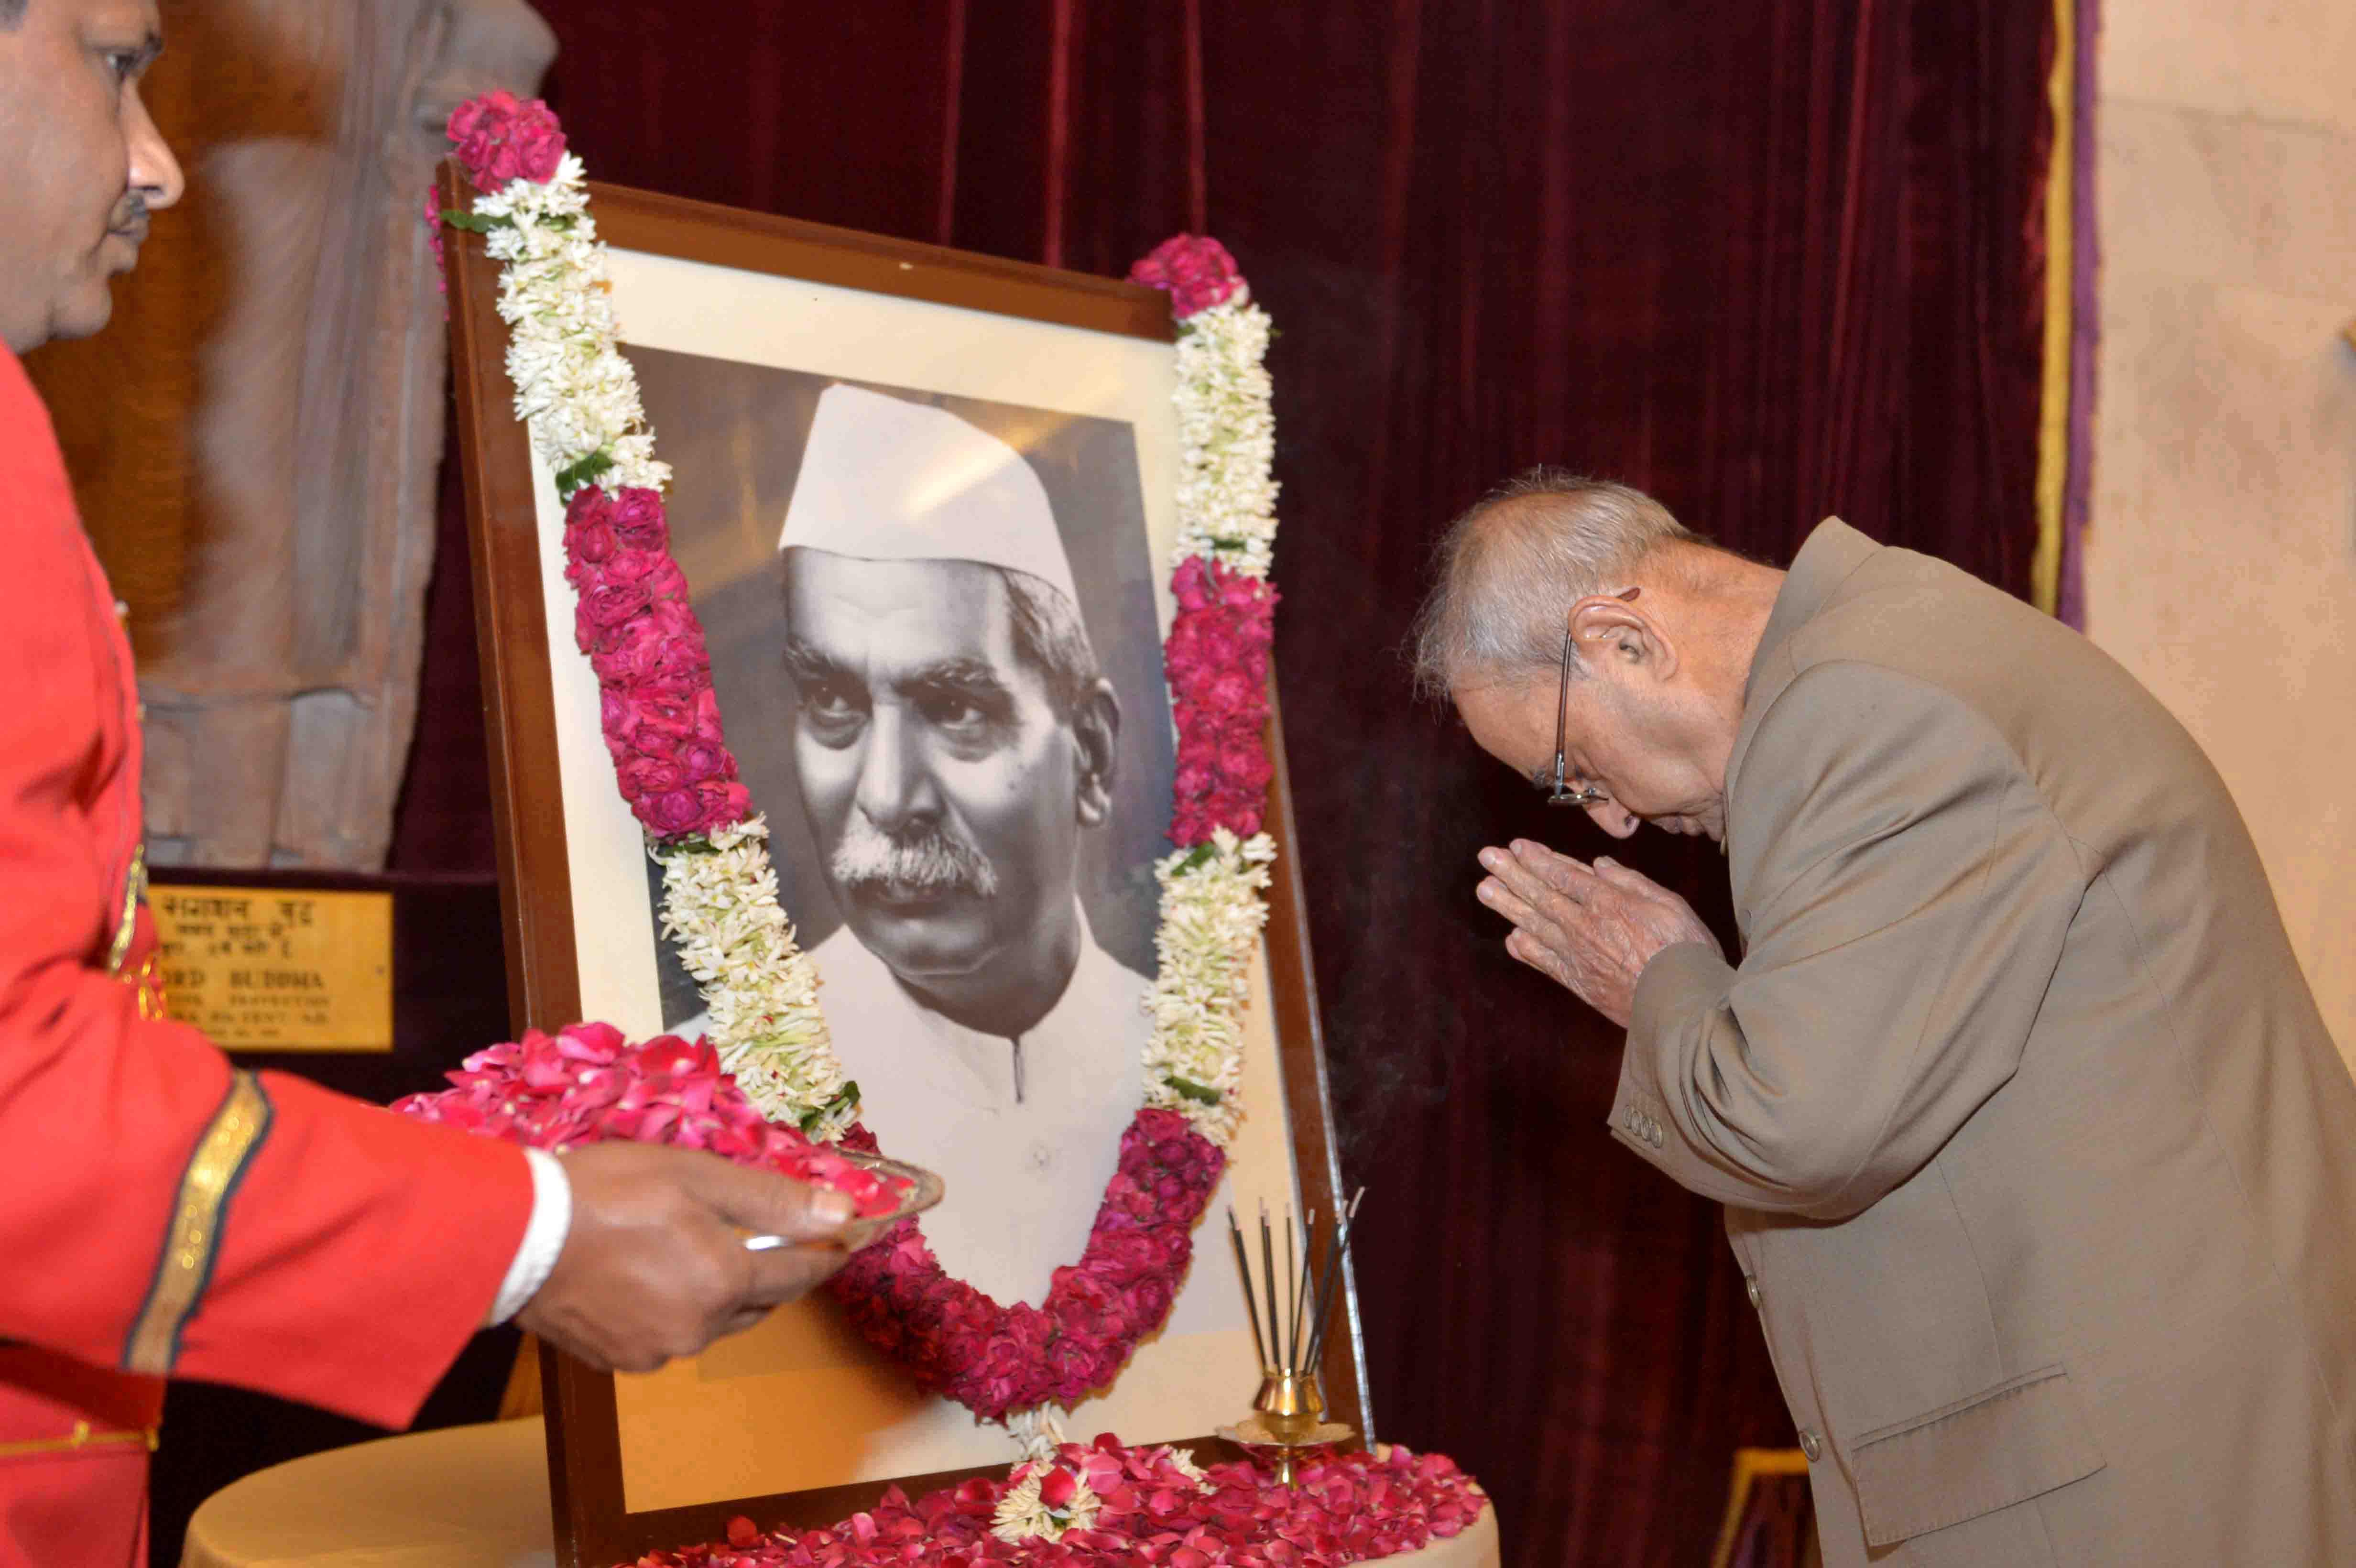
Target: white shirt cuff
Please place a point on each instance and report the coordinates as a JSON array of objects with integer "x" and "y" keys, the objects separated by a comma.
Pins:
[{"x": 543, "y": 1238}]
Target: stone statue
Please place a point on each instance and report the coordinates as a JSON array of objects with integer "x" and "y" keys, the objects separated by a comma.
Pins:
[{"x": 257, "y": 442}]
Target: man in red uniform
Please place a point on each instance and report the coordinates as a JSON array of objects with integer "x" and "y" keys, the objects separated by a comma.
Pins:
[{"x": 161, "y": 1212}]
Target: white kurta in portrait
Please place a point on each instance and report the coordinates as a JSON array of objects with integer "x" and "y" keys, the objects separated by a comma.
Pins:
[{"x": 1025, "y": 1172}]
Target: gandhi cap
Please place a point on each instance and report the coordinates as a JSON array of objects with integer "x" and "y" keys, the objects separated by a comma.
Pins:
[{"x": 886, "y": 479}]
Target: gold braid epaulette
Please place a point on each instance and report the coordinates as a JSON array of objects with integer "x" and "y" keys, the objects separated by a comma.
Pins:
[{"x": 193, "y": 1241}]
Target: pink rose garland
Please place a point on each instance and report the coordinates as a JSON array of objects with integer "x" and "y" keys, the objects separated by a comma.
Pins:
[
  {"x": 499, "y": 140},
  {"x": 1217, "y": 659},
  {"x": 994, "y": 1360},
  {"x": 1357, "y": 1507},
  {"x": 659, "y": 714},
  {"x": 1195, "y": 269}
]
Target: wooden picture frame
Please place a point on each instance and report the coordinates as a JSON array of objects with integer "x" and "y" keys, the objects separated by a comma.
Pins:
[{"x": 592, "y": 1526}]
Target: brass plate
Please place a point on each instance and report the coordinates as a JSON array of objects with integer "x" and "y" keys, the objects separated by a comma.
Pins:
[{"x": 278, "y": 969}]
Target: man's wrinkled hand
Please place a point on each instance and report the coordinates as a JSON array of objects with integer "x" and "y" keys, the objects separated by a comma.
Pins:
[
  {"x": 1590, "y": 929},
  {"x": 655, "y": 1267}
]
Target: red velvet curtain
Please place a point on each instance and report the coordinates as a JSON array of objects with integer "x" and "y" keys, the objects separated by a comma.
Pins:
[{"x": 1770, "y": 260}]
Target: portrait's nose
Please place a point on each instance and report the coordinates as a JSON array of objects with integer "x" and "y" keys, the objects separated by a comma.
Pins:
[{"x": 896, "y": 786}]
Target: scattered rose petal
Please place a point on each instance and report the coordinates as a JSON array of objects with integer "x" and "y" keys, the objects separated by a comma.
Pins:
[{"x": 1342, "y": 1509}]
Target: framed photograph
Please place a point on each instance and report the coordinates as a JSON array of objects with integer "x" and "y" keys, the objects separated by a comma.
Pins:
[{"x": 902, "y": 474}]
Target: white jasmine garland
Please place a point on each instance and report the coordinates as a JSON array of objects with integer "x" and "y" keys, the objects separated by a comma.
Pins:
[
  {"x": 573, "y": 385},
  {"x": 1021, "y": 1515},
  {"x": 1227, "y": 430},
  {"x": 1183, "y": 1461},
  {"x": 1039, "y": 1433},
  {"x": 720, "y": 905},
  {"x": 1213, "y": 909}
]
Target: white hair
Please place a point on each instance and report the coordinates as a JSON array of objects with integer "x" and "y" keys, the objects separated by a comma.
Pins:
[{"x": 1507, "y": 572}]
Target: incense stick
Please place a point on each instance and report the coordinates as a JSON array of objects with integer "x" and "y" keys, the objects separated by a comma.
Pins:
[
  {"x": 1267, "y": 1265},
  {"x": 1303, "y": 1282},
  {"x": 1337, "y": 1255},
  {"x": 1243, "y": 1272},
  {"x": 1292, "y": 1299}
]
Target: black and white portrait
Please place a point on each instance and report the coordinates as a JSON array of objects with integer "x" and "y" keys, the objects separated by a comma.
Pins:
[{"x": 932, "y": 636}]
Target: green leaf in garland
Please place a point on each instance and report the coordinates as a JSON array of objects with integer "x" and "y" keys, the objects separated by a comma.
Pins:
[
  {"x": 586, "y": 472},
  {"x": 474, "y": 223},
  {"x": 842, "y": 1105},
  {"x": 1192, "y": 1089},
  {"x": 1202, "y": 855}
]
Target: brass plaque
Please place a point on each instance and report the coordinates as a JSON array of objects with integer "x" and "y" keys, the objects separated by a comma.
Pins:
[{"x": 276, "y": 968}]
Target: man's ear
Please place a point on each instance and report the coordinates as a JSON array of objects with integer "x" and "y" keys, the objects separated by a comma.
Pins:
[
  {"x": 1614, "y": 636},
  {"x": 1096, "y": 727}
]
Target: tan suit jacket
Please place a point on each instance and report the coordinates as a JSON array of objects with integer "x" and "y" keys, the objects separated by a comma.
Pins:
[{"x": 2038, "y": 1161}]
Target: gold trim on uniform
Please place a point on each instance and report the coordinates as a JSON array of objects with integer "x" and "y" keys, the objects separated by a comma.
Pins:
[
  {"x": 148, "y": 981},
  {"x": 135, "y": 889},
  {"x": 80, "y": 1438},
  {"x": 194, "y": 1239}
]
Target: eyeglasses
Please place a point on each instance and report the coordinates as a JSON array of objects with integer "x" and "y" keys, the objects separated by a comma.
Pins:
[{"x": 1558, "y": 789}]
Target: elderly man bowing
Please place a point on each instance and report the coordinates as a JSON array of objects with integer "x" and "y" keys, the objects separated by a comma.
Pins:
[{"x": 2038, "y": 1159}]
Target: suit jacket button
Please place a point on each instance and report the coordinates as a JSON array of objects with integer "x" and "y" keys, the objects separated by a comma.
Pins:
[
  {"x": 1811, "y": 1444},
  {"x": 1657, "y": 1135},
  {"x": 1751, "y": 1290}
]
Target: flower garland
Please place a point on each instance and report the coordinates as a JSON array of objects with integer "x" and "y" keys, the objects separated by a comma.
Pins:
[
  {"x": 661, "y": 723},
  {"x": 1043, "y": 1501},
  {"x": 995, "y": 1360},
  {"x": 1106, "y": 1506}
]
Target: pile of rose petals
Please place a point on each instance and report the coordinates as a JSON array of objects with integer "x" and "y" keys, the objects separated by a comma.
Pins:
[
  {"x": 587, "y": 1084},
  {"x": 1352, "y": 1508}
]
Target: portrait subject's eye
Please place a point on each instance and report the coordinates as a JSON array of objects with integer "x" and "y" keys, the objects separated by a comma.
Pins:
[
  {"x": 966, "y": 707},
  {"x": 953, "y": 710},
  {"x": 833, "y": 709}
]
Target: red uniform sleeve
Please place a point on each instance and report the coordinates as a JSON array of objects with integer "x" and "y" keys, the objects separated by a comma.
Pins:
[{"x": 159, "y": 1211}]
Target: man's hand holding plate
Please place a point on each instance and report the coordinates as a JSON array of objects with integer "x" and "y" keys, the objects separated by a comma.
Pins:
[{"x": 654, "y": 1265}]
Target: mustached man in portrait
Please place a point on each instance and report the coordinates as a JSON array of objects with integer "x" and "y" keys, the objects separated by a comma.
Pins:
[{"x": 952, "y": 745}]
